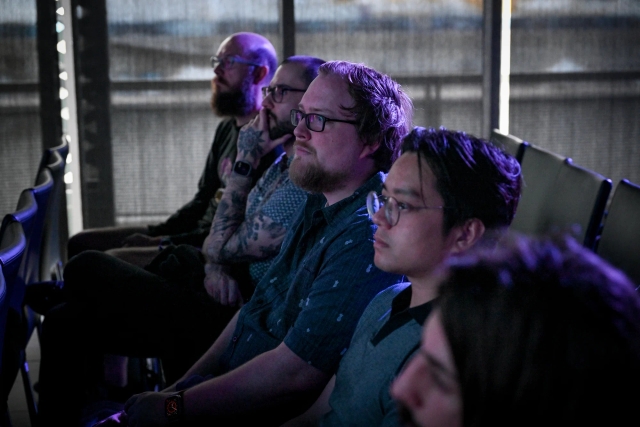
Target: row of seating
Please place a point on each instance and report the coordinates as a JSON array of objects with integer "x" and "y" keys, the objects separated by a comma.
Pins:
[
  {"x": 559, "y": 195},
  {"x": 32, "y": 251}
]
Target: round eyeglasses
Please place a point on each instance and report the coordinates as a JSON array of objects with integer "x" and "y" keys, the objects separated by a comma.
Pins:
[
  {"x": 314, "y": 122},
  {"x": 392, "y": 207},
  {"x": 278, "y": 92},
  {"x": 228, "y": 62}
]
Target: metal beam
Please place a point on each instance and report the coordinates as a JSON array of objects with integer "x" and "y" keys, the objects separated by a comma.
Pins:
[
  {"x": 491, "y": 35},
  {"x": 287, "y": 29}
]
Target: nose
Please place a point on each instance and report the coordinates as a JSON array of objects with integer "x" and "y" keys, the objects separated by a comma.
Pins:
[
  {"x": 267, "y": 102},
  {"x": 301, "y": 132},
  {"x": 379, "y": 218},
  {"x": 218, "y": 70},
  {"x": 402, "y": 388}
]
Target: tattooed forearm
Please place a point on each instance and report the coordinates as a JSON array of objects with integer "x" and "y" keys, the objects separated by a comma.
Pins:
[
  {"x": 249, "y": 144},
  {"x": 258, "y": 238}
]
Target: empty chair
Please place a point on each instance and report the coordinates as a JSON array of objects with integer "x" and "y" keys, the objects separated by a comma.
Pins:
[
  {"x": 30, "y": 268},
  {"x": 12, "y": 247},
  {"x": 4, "y": 310},
  {"x": 53, "y": 255},
  {"x": 619, "y": 241},
  {"x": 540, "y": 168},
  {"x": 576, "y": 203},
  {"x": 509, "y": 143}
]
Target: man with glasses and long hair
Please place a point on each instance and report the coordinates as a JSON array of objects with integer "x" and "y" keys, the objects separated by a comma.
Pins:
[
  {"x": 448, "y": 192},
  {"x": 277, "y": 354},
  {"x": 175, "y": 308},
  {"x": 243, "y": 64}
]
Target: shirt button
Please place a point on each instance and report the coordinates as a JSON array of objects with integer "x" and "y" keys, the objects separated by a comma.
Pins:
[{"x": 234, "y": 339}]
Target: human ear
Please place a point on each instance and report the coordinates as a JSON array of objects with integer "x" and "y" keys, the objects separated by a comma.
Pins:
[
  {"x": 467, "y": 235},
  {"x": 369, "y": 149},
  {"x": 260, "y": 73}
]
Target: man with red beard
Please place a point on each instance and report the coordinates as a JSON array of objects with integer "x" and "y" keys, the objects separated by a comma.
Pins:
[
  {"x": 244, "y": 63},
  {"x": 279, "y": 351}
]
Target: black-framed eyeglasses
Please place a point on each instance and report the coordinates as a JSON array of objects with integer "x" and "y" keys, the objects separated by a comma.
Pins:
[
  {"x": 314, "y": 122},
  {"x": 278, "y": 92},
  {"x": 392, "y": 207},
  {"x": 228, "y": 62}
]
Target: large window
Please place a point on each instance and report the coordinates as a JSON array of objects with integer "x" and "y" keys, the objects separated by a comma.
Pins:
[
  {"x": 575, "y": 86},
  {"x": 20, "y": 138}
]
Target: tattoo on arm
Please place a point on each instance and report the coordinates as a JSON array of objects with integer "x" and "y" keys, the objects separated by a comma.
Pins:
[
  {"x": 249, "y": 143},
  {"x": 235, "y": 238}
]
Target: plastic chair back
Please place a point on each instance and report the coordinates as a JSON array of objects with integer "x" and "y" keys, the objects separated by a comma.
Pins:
[
  {"x": 12, "y": 246},
  {"x": 577, "y": 203},
  {"x": 619, "y": 242},
  {"x": 54, "y": 243},
  {"x": 509, "y": 143},
  {"x": 30, "y": 269},
  {"x": 540, "y": 168}
]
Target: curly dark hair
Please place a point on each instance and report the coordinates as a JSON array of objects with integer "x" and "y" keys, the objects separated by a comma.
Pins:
[
  {"x": 474, "y": 178},
  {"x": 382, "y": 109}
]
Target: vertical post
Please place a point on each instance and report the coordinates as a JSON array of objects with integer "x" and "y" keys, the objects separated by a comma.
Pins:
[
  {"x": 287, "y": 29},
  {"x": 491, "y": 35},
  {"x": 93, "y": 102},
  {"x": 48, "y": 74}
]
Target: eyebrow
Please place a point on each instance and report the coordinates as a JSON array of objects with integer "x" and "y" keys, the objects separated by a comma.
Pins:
[
  {"x": 437, "y": 364},
  {"x": 404, "y": 191}
]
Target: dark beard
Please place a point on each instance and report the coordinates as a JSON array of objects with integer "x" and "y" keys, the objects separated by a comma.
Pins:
[
  {"x": 238, "y": 103},
  {"x": 280, "y": 129},
  {"x": 315, "y": 179}
]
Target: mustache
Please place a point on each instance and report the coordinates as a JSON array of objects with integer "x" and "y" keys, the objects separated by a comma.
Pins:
[{"x": 304, "y": 145}]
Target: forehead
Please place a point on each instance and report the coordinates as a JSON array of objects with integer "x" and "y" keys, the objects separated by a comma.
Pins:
[
  {"x": 230, "y": 46},
  {"x": 290, "y": 75},
  {"x": 326, "y": 94},
  {"x": 405, "y": 176}
]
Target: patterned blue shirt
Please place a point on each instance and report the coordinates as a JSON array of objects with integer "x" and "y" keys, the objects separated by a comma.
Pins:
[
  {"x": 317, "y": 287},
  {"x": 276, "y": 197}
]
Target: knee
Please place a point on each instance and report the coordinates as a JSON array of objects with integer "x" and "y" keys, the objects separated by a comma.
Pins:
[{"x": 82, "y": 266}]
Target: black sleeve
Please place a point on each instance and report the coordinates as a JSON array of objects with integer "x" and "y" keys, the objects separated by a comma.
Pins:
[{"x": 186, "y": 219}]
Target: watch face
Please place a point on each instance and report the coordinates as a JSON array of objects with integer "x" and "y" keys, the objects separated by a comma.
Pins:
[
  {"x": 242, "y": 168},
  {"x": 172, "y": 406}
]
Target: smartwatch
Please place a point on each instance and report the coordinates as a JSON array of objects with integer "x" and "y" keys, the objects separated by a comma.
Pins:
[
  {"x": 173, "y": 406},
  {"x": 242, "y": 168}
]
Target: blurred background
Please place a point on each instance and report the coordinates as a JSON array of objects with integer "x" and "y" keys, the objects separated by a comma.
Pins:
[{"x": 127, "y": 82}]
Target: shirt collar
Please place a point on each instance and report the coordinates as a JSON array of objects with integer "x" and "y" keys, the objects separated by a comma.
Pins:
[
  {"x": 402, "y": 301},
  {"x": 346, "y": 206}
]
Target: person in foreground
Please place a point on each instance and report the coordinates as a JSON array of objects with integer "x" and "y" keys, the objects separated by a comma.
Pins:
[
  {"x": 243, "y": 64},
  {"x": 176, "y": 310},
  {"x": 447, "y": 193},
  {"x": 277, "y": 354},
  {"x": 536, "y": 332}
]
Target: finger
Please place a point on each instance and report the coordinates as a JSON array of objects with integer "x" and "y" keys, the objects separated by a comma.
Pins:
[
  {"x": 130, "y": 402},
  {"x": 264, "y": 120},
  {"x": 224, "y": 294},
  {"x": 233, "y": 295}
]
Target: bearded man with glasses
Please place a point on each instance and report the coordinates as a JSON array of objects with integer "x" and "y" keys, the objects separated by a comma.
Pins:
[
  {"x": 447, "y": 193},
  {"x": 243, "y": 64},
  {"x": 277, "y": 354}
]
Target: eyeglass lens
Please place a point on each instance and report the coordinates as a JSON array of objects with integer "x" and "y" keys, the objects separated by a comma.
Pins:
[{"x": 314, "y": 122}]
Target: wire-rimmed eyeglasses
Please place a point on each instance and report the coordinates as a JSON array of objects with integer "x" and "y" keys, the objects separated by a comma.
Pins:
[
  {"x": 314, "y": 122},
  {"x": 228, "y": 62},
  {"x": 278, "y": 92},
  {"x": 392, "y": 207}
]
